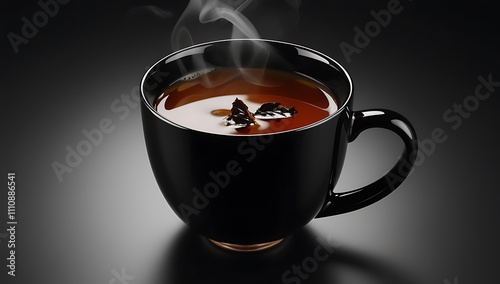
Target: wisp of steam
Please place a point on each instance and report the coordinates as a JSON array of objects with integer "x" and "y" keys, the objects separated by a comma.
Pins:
[
  {"x": 210, "y": 18},
  {"x": 210, "y": 11}
]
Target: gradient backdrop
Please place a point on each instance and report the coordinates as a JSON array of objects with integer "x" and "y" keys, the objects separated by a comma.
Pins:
[{"x": 107, "y": 222}]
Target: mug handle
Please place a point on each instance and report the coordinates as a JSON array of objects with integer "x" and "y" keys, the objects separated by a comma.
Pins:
[{"x": 338, "y": 203}]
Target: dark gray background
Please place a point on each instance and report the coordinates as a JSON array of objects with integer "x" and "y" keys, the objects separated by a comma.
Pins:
[{"x": 108, "y": 216}]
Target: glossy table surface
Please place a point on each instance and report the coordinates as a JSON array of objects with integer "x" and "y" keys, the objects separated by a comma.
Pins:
[{"x": 104, "y": 220}]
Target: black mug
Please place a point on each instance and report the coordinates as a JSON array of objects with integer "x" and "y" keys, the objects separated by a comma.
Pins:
[{"x": 228, "y": 187}]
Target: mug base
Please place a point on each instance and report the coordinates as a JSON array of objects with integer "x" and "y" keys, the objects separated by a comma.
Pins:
[{"x": 246, "y": 248}]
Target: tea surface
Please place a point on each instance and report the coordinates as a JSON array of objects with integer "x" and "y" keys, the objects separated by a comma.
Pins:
[{"x": 200, "y": 101}]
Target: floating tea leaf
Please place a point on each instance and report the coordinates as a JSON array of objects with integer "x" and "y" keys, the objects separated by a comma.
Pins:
[
  {"x": 274, "y": 111},
  {"x": 240, "y": 115}
]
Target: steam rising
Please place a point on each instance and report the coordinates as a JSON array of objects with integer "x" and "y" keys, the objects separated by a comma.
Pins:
[
  {"x": 147, "y": 10},
  {"x": 210, "y": 11},
  {"x": 206, "y": 20}
]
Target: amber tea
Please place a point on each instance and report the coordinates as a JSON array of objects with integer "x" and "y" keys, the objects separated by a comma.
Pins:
[{"x": 245, "y": 101}]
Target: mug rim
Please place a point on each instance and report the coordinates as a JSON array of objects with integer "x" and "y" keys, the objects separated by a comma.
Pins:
[{"x": 324, "y": 59}]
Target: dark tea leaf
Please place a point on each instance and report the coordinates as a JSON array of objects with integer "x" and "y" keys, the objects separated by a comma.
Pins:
[
  {"x": 274, "y": 111},
  {"x": 240, "y": 115}
]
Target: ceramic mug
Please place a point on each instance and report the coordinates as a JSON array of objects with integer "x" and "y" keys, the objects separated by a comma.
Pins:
[{"x": 245, "y": 202}]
